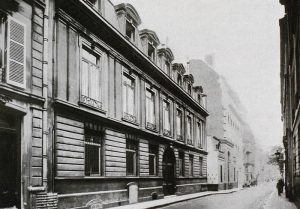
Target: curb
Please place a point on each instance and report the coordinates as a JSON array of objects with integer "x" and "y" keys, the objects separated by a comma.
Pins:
[{"x": 191, "y": 198}]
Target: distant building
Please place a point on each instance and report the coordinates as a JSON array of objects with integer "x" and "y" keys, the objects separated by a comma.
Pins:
[
  {"x": 290, "y": 95},
  {"x": 224, "y": 127},
  {"x": 93, "y": 111}
]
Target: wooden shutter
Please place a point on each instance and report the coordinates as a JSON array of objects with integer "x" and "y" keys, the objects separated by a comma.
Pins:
[{"x": 16, "y": 53}]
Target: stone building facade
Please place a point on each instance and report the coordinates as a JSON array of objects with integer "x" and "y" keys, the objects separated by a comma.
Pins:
[
  {"x": 98, "y": 112},
  {"x": 289, "y": 75},
  {"x": 224, "y": 127}
]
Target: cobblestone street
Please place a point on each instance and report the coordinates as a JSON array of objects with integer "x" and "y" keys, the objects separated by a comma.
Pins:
[{"x": 260, "y": 197}]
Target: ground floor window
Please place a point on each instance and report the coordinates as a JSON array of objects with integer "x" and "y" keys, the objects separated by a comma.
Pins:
[
  {"x": 131, "y": 157},
  {"x": 93, "y": 151},
  {"x": 191, "y": 165},
  {"x": 200, "y": 166},
  {"x": 153, "y": 160},
  {"x": 221, "y": 173},
  {"x": 181, "y": 163}
]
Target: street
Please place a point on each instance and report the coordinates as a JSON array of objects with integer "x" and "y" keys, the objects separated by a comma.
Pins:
[{"x": 248, "y": 198}]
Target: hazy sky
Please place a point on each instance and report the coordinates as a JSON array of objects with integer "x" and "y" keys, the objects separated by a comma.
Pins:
[{"x": 243, "y": 35}]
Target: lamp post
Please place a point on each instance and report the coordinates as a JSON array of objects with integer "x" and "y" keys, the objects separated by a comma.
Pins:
[{"x": 279, "y": 158}]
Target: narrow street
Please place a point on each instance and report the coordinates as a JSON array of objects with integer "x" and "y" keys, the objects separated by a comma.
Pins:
[{"x": 250, "y": 198}]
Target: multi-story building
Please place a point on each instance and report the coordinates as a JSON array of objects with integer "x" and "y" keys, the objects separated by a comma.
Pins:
[
  {"x": 249, "y": 153},
  {"x": 93, "y": 111},
  {"x": 290, "y": 88},
  {"x": 224, "y": 127}
]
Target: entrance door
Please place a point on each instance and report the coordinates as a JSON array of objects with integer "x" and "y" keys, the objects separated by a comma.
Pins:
[
  {"x": 10, "y": 180},
  {"x": 169, "y": 172}
]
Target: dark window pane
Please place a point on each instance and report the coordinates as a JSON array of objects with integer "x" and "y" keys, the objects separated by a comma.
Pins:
[
  {"x": 130, "y": 163},
  {"x": 152, "y": 164}
]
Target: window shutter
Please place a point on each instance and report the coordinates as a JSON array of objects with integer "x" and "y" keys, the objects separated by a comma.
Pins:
[{"x": 16, "y": 53}]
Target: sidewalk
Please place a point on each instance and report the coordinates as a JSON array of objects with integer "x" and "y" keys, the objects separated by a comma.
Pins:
[
  {"x": 173, "y": 199},
  {"x": 278, "y": 202}
]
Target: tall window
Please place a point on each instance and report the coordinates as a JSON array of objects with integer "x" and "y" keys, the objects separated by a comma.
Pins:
[
  {"x": 93, "y": 152},
  {"x": 166, "y": 118},
  {"x": 189, "y": 130},
  {"x": 129, "y": 97},
  {"x": 153, "y": 160},
  {"x": 90, "y": 79},
  {"x": 130, "y": 31},
  {"x": 179, "y": 124},
  {"x": 221, "y": 173},
  {"x": 191, "y": 165},
  {"x": 131, "y": 157},
  {"x": 198, "y": 134},
  {"x": 234, "y": 174},
  {"x": 181, "y": 163},
  {"x": 150, "y": 109},
  {"x": 201, "y": 166}
]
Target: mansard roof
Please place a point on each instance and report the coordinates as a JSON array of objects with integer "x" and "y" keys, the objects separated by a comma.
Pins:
[
  {"x": 189, "y": 77},
  {"x": 131, "y": 11},
  {"x": 179, "y": 67},
  {"x": 151, "y": 35},
  {"x": 167, "y": 52}
]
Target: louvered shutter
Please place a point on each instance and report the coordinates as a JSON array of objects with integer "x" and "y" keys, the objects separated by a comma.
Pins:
[{"x": 16, "y": 53}]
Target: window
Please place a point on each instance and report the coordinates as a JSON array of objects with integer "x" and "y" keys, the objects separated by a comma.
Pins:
[
  {"x": 130, "y": 31},
  {"x": 181, "y": 163},
  {"x": 151, "y": 51},
  {"x": 190, "y": 89},
  {"x": 153, "y": 160},
  {"x": 233, "y": 174},
  {"x": 221, "y": 173},
  {"x": 150, "y": 109},
  {"x": 199, "y": 98},
  {"x": 198, "y": 134},
  {"x": 15, "y": 53},
  {"x": 179, "y": 80},
  {"x": 93, "y": 152},
  {"x": 131, "y": 157},
  {"x": 167, "y": 67},
  {"x": 179, "y": 124},
  {"x": 90, "y": 79},
  {"x": 191, "y": 165},
  {"x": 129, "y": 98},
  {"x": 189, "y": 130},
  {"x": 200, "y": 166},
  {"x": 166, "y": 118}
]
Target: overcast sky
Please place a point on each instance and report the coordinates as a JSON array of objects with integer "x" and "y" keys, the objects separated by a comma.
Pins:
[{"x": 244, "y": 37}]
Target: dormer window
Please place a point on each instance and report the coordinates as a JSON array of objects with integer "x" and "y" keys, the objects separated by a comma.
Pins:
[
  {"x": 167, "y": 67},
  {"x": 190, "y": 89},
  {"x": 130, "y": 31},
  {"x": 199, "y": 98},
  {"x": 179, "y": 80},
  {"x": 151, "y": 51}
]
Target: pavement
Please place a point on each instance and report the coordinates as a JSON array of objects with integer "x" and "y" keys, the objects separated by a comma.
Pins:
[
  {"x": 169, "y": 200},
  {"x": 278, "y": 202}
]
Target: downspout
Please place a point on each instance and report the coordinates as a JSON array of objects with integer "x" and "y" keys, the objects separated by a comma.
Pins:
[{"x": 45, "y": 94}]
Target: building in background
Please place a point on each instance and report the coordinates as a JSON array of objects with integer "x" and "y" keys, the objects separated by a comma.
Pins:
[
  {"x": 94, "y": 112},
  {"x": 224, "y": 126},
  {"x": 249, "y": 153},
  {"x": 290, "y": 94}
]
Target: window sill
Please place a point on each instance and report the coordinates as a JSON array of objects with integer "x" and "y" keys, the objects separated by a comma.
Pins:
[{"x": 106, "y": 177}]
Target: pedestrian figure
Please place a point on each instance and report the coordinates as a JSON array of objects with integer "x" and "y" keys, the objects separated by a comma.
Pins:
[{"x": 280, "y": 185}]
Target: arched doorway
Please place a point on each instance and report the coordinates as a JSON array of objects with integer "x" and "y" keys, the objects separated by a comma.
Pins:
[{"x": 169, "y": 172}]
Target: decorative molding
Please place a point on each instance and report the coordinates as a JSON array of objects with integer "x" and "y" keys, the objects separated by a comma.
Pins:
[
  {"x": 128, "y": 117},
  {"x": 5, "y": 99},
  {"x": 151, "y": 126},
  {"x": 84, "y": 100}
]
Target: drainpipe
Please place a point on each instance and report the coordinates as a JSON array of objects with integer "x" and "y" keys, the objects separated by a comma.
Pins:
[{"x": 45, "y": 94}]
